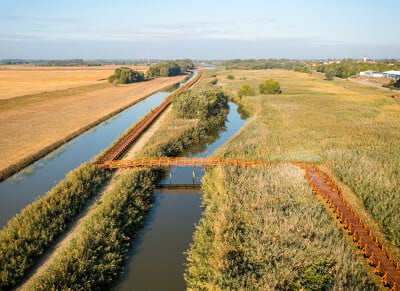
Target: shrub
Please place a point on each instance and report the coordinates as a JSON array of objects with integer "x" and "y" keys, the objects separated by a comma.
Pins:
[
  {"x": 246, "y": 90},
  {"x": 330, "y": 74},
  {"x": 170, "y": 68},
  {"x": 270, "y": 87},
  {"x": 125, "y": 75},
  {"x": 213, "y": 81},
  {"x": 397, "y": 84},
  {"x": 198, "y": 104},
  {"x": 230, "y": 77}
]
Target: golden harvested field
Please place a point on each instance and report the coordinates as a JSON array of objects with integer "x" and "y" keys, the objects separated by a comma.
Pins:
[
  {"x": 27, "y": 129},
  {"x": 23, "y": 80}
]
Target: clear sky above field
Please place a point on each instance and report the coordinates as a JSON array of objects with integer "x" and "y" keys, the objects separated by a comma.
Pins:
[{"x": 199, "y": 29}]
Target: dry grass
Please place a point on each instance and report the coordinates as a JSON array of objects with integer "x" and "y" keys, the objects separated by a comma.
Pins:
[
  {"x": 352, "y": 129},
  {"x": 23, "y": 80},
  {"x": 263, "y": 229},
  {"x": 26, "y": 130}
]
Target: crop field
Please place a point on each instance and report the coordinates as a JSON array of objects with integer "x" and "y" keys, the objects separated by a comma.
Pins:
[
  {"x": 25, "y": 80},
  {"x": 350, "y": 130},
  {"x": 30, "y": 124}
]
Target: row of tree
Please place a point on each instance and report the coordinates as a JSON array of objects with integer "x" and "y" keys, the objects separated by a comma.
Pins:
[
  {"x": 350, "y": 67},
  {"x": 125, "y": 75},
  {"x": 269, "y": 86},
  {"x": 170, "y": 68}
]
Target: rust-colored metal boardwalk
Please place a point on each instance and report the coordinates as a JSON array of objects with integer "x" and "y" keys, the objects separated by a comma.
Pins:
[
  {"x": 181, "y": 162},
  {"x": 322, "y": 185},
  {"x": 378, "y": 256},
  {"x": 116, "y": 150}
]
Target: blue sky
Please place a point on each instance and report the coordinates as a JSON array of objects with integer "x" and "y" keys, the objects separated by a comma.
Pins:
[{"x": 201, "y": 29}]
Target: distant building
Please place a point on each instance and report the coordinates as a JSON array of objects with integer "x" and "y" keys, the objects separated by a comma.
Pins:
[
  {"x": 365, "y": 61},
  {"x": 392, "y": 74},
  {"x": 372, "y": 74}
]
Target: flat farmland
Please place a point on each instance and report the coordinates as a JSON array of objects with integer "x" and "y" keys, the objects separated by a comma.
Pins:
[
  {"x": 18, "y": 80},
  {"x": 26, "y": 128}
]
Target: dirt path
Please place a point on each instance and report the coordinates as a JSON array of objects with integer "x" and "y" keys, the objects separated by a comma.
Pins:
[
  {"x": 138, "y": 145},
  {"x": 64, "y": 240},
  {"x": 372, "y": 248}
]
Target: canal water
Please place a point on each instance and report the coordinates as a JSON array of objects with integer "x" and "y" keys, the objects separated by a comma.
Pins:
[
  {"x": 24, "y": 187},
  {"x": 157, "y": 259}
]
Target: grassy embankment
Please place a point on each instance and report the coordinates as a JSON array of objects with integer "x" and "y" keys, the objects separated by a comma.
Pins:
[
  {"x": 352, "y": 131},
  {"x": 95, "y": 256},
  {"x": 32, "y": 231}
]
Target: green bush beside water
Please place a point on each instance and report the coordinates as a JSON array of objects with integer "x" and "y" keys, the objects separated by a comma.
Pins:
[
  {"x": 170, "y": 68},
  {"x": 125, "y": 75},
  {"x": 31, "y": 232},
  {"x": 95, "y": 255}
]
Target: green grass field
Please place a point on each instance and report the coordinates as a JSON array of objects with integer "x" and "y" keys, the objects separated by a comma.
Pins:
[
  {"x": 350, "y": 130},
  {"x": 354, "y": 131}
]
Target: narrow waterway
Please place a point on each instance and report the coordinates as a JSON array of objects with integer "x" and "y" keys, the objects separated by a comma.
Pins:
[
  {"x": 24, "y": 187},
  {"x": 157, "y": 260}
]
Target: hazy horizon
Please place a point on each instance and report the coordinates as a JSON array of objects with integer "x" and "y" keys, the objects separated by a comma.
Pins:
[{"x": 256, "y": 29}]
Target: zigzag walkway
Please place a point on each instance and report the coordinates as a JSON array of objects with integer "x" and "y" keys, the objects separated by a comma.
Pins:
[{"x": 322, "y": 185}]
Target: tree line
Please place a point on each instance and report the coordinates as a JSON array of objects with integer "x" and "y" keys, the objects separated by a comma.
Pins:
[{"x": 125, "y": 75}]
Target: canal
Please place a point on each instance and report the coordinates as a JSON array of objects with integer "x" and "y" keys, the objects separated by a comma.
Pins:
[{"x": 157, "y": 259}]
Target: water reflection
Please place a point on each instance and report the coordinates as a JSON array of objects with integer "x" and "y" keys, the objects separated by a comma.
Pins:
[{"x": 158, "y": 260}]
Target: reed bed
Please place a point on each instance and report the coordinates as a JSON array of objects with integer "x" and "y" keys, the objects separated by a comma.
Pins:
[
  {"x": 263, "y": 229},
  {"x": 32, "y": 231}
]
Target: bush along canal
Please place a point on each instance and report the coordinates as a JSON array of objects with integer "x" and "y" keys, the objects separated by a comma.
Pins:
[{"x": 32, "y": 231}]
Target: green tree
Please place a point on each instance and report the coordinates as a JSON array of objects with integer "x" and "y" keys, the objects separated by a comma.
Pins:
[
  {"x": 246, "y": 90},
  {"x": 125, "y": 75},
  {"x": 397, "y": 84},
  {"x": 270, "y": 87},
  {"x": 170, "y": 68},
  {"x": 330, "y": 74}
]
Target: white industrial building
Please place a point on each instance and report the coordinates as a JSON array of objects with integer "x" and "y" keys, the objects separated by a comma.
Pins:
[
  {"x": 392, "y": 74},
  {"x": 387, "y": 74},
  {"x": 372, "y": 74}
]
